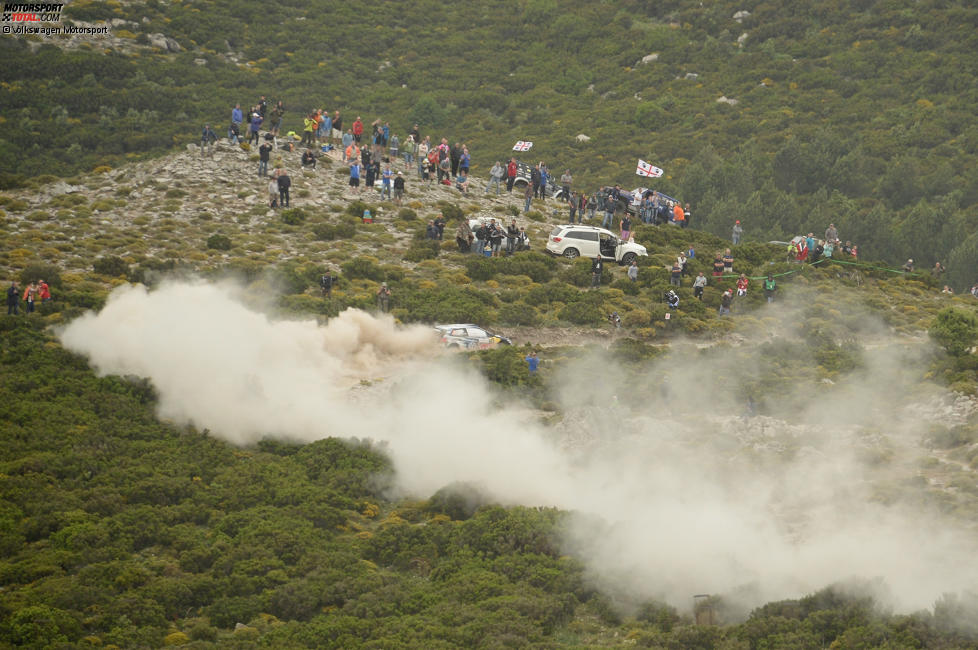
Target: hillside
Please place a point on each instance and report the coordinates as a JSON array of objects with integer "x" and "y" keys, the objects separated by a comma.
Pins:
[
  {"x": 781, "y": 114},
  {"x": 206, "y": 492},
  {"x": 199, "y": 449}
]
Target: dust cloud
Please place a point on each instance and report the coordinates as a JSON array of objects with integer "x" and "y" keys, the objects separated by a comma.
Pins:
[{"x": 674, "y": 490}]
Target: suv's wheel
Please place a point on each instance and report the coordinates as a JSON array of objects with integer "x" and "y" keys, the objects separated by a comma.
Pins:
[
  {"x": 628, "y": 258},
  {"x": 571, "y": 253}
]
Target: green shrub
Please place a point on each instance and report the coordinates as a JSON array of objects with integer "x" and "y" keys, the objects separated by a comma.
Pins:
[
  {"x": 38, "y": 271},
  {"x": 329, "y": 232},
  {"x": 407, "y": 214},
  {"x": 112, "y": 266},
  {"x": 425, "y": 249},
  {"x": 583, "y": 312},
  {"x": 520, "y": 313},
  {"x": 363, "y": 267},
  {"x": 955, "y": 330},
  {"x": 357, "y": 208},
  {"x": 293, "y": 216},
  {"x": 219, "y": 242},
  {"x": 450, "y": 211}
]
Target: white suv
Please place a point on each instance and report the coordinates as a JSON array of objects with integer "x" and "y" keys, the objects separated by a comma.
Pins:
[{"x": 572, "y": 240}]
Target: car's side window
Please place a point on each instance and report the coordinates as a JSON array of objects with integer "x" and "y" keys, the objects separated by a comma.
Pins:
[
  {"x": 474, "y": 331},
  {"x": 458, "y": 331},
  {"x": 583, "y": 234}
]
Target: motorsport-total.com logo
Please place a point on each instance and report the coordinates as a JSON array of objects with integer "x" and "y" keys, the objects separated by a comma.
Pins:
[{"x": 23, "y": 18}]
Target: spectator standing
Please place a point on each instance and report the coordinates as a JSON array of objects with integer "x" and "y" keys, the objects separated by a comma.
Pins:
[
  {"x": 255, "y": 127},
  {"x": 13, "y": 299},
  {"x": 737, "y": 232},
  {"x": 207, "y": 139},
  {"x": 718, "y": 265},
  {"x": 626, "y": 227},
  {"x": 592, "y": 206},
  {"x": 30, "y": 295},
  {"x": 43, "y": 291},
  {"x": 264, "y": 151},
  {"x": 355, "y": 176},
  {"x": 597, "y": 266},
  {"x": 272, "y": 192},
  {"x": 387, "y": 180},
  {"x": 395, "y": 147},
  {"x": 510, "y": 174},
  {"x": 544, "y": 176},
  {"x": 633, "y": 271},
  {"x": 495, "y": 176},
  {"x": 464, "y": 160},
  {"x": 728, "y": 261},
  {"x": 326, "y": 284},
  {"x": 770, "y": 286},
  {"x": 357, "y": 129},
  {"x": 284, "y": 183},
  {"x": 679, "y": 215},
  {"x": 831, "y": 234},
  {"x": 338, "y": 127},
  {"x": 698, "y": 285},
  {"x": 398, "y": 188},
  {"x": 565, "y": 183},
  {"x": 532, "y": 362},
  {"x": 384, "y": 298},
  {"x": 686, "y": 216},
  {"x": 675, "y": 276}
]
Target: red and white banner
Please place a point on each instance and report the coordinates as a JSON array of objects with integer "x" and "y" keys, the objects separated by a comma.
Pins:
[
  {"x": 522, "y": 146},
  {"x": 645, "y": 169}
]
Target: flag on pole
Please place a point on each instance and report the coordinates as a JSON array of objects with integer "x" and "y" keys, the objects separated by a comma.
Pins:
[
  {"x": 522, "y": 146},
  {"x": 645, "y": 169}
]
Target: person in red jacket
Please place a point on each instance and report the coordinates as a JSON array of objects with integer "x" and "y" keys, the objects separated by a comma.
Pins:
[
  {"x": 357, "y": 129},
  {"x": 510, "y": 174},
  {"x": 43, "y": 291},
  {"x": 742, "y": 283}
]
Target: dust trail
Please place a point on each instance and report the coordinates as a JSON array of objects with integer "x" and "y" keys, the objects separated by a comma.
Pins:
[{"x": 672, "y": 495}]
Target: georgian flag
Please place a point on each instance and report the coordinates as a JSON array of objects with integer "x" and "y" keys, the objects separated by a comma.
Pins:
[
  {"x": 645, "y": 169},
  {"x": 522, "y": 146}
]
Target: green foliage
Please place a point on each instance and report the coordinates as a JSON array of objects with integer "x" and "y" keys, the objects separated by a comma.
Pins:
[
  {"x": 111, "y": 265},
  {"x": 363, "y": 267},
  {"x": 47, "y": 272},
  {"x": 450, "y": 211},
  {"x": 407, "y": 214},
  {"x": 329, "y": 232},
  {"x": 955, "y": 330},
  {"x": 293, "y": 216},
  {"x": 424, "y": 249},
  {"x": 219, "y": 242}
]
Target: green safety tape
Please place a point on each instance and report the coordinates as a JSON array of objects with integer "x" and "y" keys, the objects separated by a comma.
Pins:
[{"x": 824, "y": 259}]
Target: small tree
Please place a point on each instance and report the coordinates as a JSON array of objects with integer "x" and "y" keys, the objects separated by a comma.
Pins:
[{"x": 955, "y": 330}]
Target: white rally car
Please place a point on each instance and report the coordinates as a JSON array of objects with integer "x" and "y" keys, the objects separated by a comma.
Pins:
[{"x": 467, "y": 336}]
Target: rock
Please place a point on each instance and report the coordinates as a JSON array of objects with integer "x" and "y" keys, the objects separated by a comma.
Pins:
[
  {"x": 60, "y": 187},
  {"x": 200, "y": 61},
  {"x": 726, "y": 100},
  {"x": 583, "y": 138},
  {"x": 649, "y": 58},
  {"x": 742, "y": 39},
  {"x": 172, "y": 45},
  {"x": 740, "y": 15},
  {"x": 158, "y": 41},
  {"x": 691, "y": 75}
]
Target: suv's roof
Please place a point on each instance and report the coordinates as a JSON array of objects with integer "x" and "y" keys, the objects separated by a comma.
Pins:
[{"x": 581, "y": 227}]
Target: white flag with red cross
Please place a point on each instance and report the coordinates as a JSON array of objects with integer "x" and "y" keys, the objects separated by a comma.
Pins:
[
  {"x": 646, "y": 169},
  {"x": 522, "y": 146}
]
